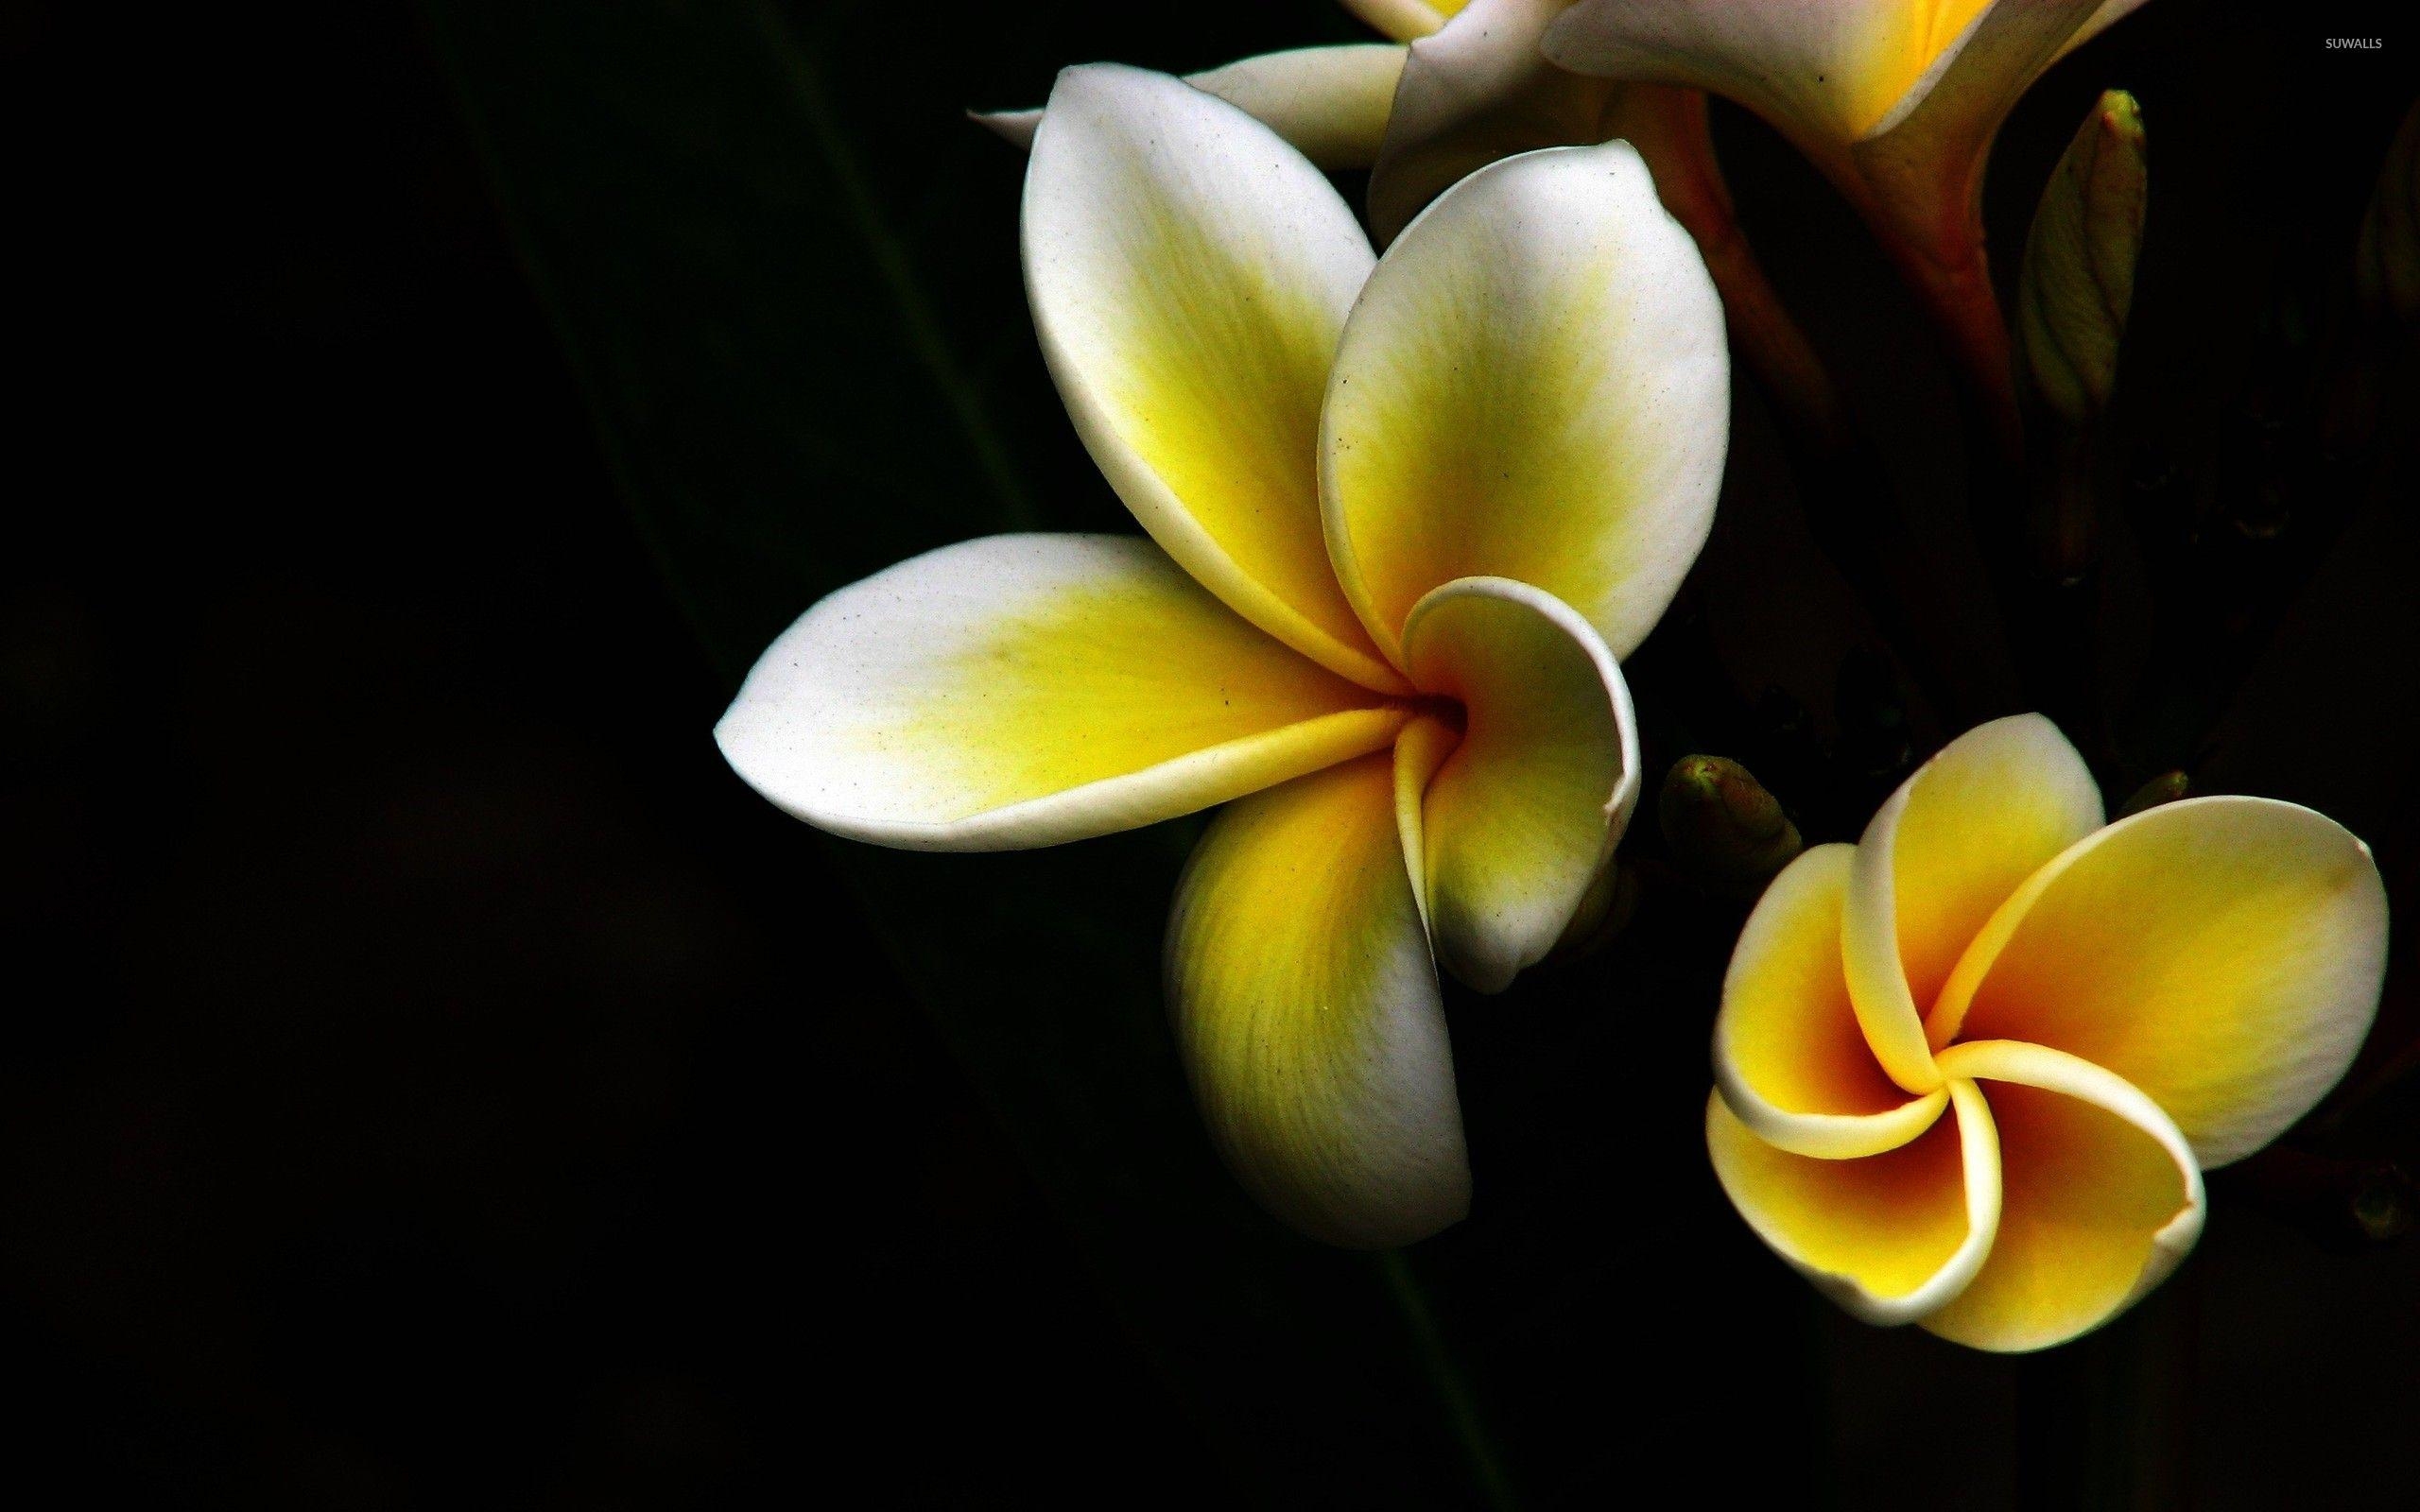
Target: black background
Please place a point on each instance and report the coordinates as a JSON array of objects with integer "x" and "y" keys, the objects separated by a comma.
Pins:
[{"x": 434, "y": 1080}]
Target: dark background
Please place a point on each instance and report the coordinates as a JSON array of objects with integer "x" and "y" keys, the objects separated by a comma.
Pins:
[{"x": 435, "y": 1081}]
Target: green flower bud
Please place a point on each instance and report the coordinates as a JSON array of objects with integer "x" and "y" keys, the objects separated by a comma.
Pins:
[
  {"x": 1605, "y": 910},
  {"x": 2165, "y": 788},
  {"x": 1725, "y": 831},
  {"x": 2077, "y": 283},
  {"x": 2382, "y": 1204}
]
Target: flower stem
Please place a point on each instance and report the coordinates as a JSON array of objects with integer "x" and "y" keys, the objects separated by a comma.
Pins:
[{"x": 1462, "y": 1407}]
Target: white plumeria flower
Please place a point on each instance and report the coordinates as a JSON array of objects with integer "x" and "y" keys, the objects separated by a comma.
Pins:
[
  {"x": 1404, "y": 517},
  {"x": 1898, "y": 102},
  {"x": 1969, "y": 1071}
]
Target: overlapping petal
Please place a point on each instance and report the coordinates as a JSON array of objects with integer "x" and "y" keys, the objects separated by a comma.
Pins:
[
  {"x": 1307, "y": 1006},
  {"x": 1535, "y": 386},
  {"x": 1833, "y": 71},
  {"x": 1190, "y": 274},
  {"x": 2223, "y": 954},
  {"x": 1892, "y": 1236},
  {"x": 1925, "y": 153},
  {"x": 1474, "y": 93},
  {"x": 1827, "y": 69},
  {"x": 1946, "y": 849},
  {"x": 1404, "y": 20},
  {"x": 2101, "y": 1199},
  {"x": 1525, "y": 812},
  {"x": 1788, "y": 1057},
  {"x": 1024, "y": 690},
  {"x": 1330, "y": 104}
]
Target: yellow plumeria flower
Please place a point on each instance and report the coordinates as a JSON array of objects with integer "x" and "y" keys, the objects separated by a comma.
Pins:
[
  {"x": 1896, "y": 100},
  {"x": 1969, "y": 1071},
  {"x": 1405, "y": 515}
]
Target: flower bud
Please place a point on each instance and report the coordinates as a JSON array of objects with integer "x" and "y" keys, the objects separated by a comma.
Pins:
[
  {"x": 1605, "y": 910},
  {"x": 2077, "y": 285},
  {"x": 2381, "y": 1205},
  {"x": 2165, "y": 788},
  {"x": 1725, "y": 831}
]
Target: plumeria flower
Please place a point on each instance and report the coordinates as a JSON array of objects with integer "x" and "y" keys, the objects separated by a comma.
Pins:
[
  {"x": 1465, "y": 83},
  {"x": 1896, "y": 100},
  {"x": 1969, "y": 1071},
  {"x": 1405, "y": 516}
]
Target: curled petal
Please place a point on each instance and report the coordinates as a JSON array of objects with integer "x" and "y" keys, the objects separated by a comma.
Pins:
[
  {"x": 1523, "y": 814},
  {"x": 1949, "y": 847},
  {"x": 2101, "y": 1199},
  {"x": 1535, "y": 386},
  {"x": 1189, "y": 274},
  {"x": 2224, "y": 955},
  {"x": 1788, "y": 1057},
  {"x": 1024, "y": 690},
  {"x": 1420, "y": 750},
  {"x": 1306, "y": 1008},
  {"x": 1330, "y": 104},
  {"x": 1891, "y": 1237}
]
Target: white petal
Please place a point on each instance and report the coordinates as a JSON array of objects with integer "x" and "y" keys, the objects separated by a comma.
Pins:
[
  {"x": 1024, "y": 690},
  {"x": 1190, "y": 274},
  {"x": 1476, "y": 91},
  {"x": 1534, "y": 386},
  {"x": 1822, "y": 69}
]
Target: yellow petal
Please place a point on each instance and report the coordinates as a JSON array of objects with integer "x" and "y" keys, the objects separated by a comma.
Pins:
[
  {"x": 1307, "y": 1008},
  {"x": 1891, "y": 1237},
  {"x": 1024, "y": 690},
  {"x": 1523, "y": 812},
  {"x": 2101, "y": 1199},
  {"x": 2224, "y": 955},
  {"x": 1330, "y": 104},
  {"x": 1946, "y": 849},
  {"x": 1534, "y": 386},
  {"x": 1404, "y": 20},
  {"x": 1788, "y": 1057},
  {"x": 1190, "y": 274}
]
